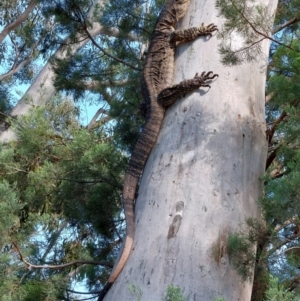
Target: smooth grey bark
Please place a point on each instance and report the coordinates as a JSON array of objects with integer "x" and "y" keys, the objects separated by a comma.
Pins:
[{"x": 202, "y": 176}]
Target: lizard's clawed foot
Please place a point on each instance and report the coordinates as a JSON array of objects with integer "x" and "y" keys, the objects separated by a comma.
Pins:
[
  {"x": 207, "y": 30},
  {"x": 205, "y": 76}
]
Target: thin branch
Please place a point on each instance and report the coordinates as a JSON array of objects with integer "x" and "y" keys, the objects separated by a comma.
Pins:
[
  {"x": 108, "y": 54},
  {"x": 81, "y": 19},
  {"x": 270, "y": 159},
  {"x": 75, "y": 271},
  {"x": 83, "y": 293},
  {"x": 261, "y": 33},
  {"x": 293, "y": 220},
  {"x": 14, "y": 69},
  {"x": 106, "y": 95},
  {"x": 292, "y": 248},
  {"x": 80, "y": 181},
  {"x": 94, "y": 119},
  {"x": 271, "y": 131},
  {"x": 284, "y": 25},
  {"x": 293, "y": 284},
  {"x": 250, "y": 46},
  {"x": 94, "y": 85},
  {"x": 15, "y": 168},
  {"x": 61, "y": 266},
  {"x": 269, "y": 97},
  {"x": 16, "y": 51},
  {"x": 107, "y": 181},
  {"x": 5, "y": 115},
  {"x": 277, "y": 171},
  {"x": 86, "y": 299},
  {"x": 99, "y": 122},
  {"x": 8, "y": 28},
  {"x": 281, "y": 244},
  {"x": 54, "y": 239}
]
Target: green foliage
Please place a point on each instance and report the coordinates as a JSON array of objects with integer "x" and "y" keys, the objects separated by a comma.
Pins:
[
  {"x": 174, "y": 294},
  {"x": 241, "y": 248},
  {"x": 261, "y": 277},
  {"x": 247, "y": 20},
  {"x": 54, "y": 179},
  {"x": 281, "y": 200},
  {"x": 107, "y": 74},
  {"x": 25, "y": 43},
  {"x": 61, "y": 182},
  {"x": 241, "y": 254},
  {"x": 74, "y": 162},
  {"x": 277, "y": 291},
  {"x": 10, "y": 210},
  {"x": 285, "y": 76},
  {"x": 287, "y": 10},
  {"x": 5, "y": 101}
]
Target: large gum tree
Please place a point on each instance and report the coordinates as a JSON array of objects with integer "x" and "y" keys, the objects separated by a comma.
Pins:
[{"x": 202, "y": 179}]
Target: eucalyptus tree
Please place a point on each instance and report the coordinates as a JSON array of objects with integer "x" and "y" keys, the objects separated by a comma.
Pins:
[
  {"x": 202, "y": 179},
  {"x": 62, "y": 182}
]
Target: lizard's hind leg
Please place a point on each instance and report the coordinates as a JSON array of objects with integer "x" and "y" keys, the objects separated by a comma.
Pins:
[{"x": 169, "y": 95}]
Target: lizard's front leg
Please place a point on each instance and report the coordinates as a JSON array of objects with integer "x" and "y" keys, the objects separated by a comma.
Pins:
[
  {"x": 190, "y": 34},
  {"x": 169, "y": 95}
]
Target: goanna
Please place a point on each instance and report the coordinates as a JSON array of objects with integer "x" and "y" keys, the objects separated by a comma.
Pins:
[{"x": 158, "y": 94}]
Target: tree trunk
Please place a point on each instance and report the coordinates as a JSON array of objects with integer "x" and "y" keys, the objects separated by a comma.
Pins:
[{"x": 205, "y": 168}]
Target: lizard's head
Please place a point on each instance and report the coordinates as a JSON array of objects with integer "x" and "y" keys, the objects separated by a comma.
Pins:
[
  {"x": 174, "y": 10},
  {"x": 180, "y": 7}
]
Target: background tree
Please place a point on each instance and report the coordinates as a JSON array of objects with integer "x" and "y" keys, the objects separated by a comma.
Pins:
[{"x": 61, "y": 253}]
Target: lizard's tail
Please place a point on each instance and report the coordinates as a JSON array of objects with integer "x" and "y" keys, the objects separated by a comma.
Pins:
[
  {"x": 135, "y": 167},
  {"x": 128, "y": 203},
  {"x": 130, "y": 184}
]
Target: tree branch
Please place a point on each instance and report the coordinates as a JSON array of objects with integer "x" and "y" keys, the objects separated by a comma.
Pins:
[
  {"x": 292, "y": 248},
  {"x": 17, "y": 67},
  {"x": 83, "y": 293},
  {"x": 61, "y": 266},
  {"x": 271, "y": 131},
  {"x": 8, "y": 28},
  {"x": 261, "y": 33},
  {"x": 284, "y": 25},
  {"x": 281, "y": 244},
  {"x": 108, "y": 54},
  {"x": 81, "y": 19},
  {"x": 269, "y": 97},
  {"x": 270, "y": 159},
  {"x": 94, "y": 85},
  {"x": 54, "y": 239},
  {"x": 93, "y": 121}
]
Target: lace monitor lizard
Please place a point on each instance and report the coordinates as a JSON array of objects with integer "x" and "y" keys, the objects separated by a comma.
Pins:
[{"x": 158, "y": 93}]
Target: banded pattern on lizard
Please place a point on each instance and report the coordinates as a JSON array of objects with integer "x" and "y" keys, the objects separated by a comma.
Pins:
[{"x": 158, "y": 93}]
